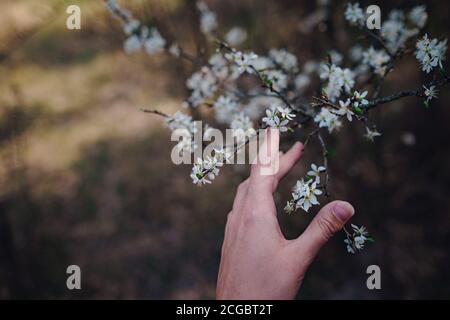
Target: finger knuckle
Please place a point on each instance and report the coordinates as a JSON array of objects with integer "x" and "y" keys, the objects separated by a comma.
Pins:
[{"x": 327, "y": 226}]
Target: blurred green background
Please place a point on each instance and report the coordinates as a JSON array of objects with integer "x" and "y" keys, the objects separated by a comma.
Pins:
[{"x": 86, "y": 177}]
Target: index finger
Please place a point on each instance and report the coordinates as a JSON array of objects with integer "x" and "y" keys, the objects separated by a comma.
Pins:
[{"x": 264, "y": 171}]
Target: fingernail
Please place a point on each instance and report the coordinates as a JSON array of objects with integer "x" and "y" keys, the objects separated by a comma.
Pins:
[{"x": 343, "y": 211}]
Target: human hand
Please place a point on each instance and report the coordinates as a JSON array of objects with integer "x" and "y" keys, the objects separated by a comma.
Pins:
[{"x": 257, "y": 261}]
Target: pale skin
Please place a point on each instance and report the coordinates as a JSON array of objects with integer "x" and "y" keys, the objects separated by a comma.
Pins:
[{"x": 257, "y": 261}]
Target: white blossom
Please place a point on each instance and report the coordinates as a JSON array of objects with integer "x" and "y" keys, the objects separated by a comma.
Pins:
[
  {"x": 371, "y": 134},
  {"x": 278, "y": 117},
  {"x": 335, "y": 57},
  {"x": 182, "y": 121},
  {"x": 208, "y": 19},
  {"x": 430, "y": 53},
  {"x": 345, "y": 109},
  {"x": 355, "y": 15},
  {"x": 377, "y": 59},
  {"x": 175, "y": 50},
  {"x": 243, "y": 122},
  {"x": 310, "y": 67},
  {"x": 205, "y": 170},
  {"x": 325, "y": 70},
  {"x": 360, "y": 99},
  {"x": 262, "y": 63},
  {"x": 132, "y": 44},
  {"x": 219, "y": 65},
  {"x": 302, "y": 81},
  {"x": 348, "y": 79},
  {"x": 284, "y": 59},
  {"x": 225, "y": 108},
  {"x": 315, "y": 172},
  {"x": 236, "y": 36},
  {"x": 244, "y": 61},
  {"x": 290, "y": 207},
  {"x": 430, "y": 93},
  {"x": 339, "y": 79},
  {"x": 326, "y": 119},
  {"x": 304, "y": 194},
  {"x": 203, "y": 85},
  {"x": 154, "y": 43},
  {"x": 356, "y": 53},
  {"x": 277, "y": 78},
  {"x": 357, "y": 239},
  {"x": 418, "y": 16},
  {"x": 131, "y": 27}
]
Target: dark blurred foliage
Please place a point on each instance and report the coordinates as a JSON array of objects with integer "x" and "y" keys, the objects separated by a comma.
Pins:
[{"x": 132, "y": 220}]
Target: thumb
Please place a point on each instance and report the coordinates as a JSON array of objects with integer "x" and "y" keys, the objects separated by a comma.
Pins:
[{"x": 330, "y": 219}]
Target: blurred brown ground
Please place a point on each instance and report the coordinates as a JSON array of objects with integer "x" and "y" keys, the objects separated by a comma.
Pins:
[{"x": 86, "y": 178}]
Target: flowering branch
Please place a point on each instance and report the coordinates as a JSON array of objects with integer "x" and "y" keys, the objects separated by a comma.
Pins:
[
  {"x": 418, "y": 92},
  {"x": 284, "y": 83}
]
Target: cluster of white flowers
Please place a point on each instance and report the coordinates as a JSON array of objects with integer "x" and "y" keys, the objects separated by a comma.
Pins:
[
  {"x": 376, "y": 59},
  {"x": 263, "y": 63},
  {"x": 244, "y": 61},
  {"x": 357, "y": 239},
  {"x": 220, "y": 67},
  {"x": 359, "y": 99},
  {"x": 203, "y": 85},
  {"x": 277, "y": 78},
  {"x": 354, "y": 14},
  {"x": 205, "y": 170},
  {"x": 180, "y": 120},
  {"x": 304, "y": 193},
  {"x": 339, "y": 80},
  {"x": 418, "y": 16},
  {"x": 242, "y": 122},
  {"x": 183, "y": 121},
  {"x": 139, "y": 36},
  {"x": 430, "y": 53},
  {"x": 236, "y": 36},
  {"x": 394, "y": 31},
  {"x": 335, "y": 57},
  {"x": 283, "y": 58},
  {"x": 303, "y": 79},
  {"x": 208, "y": 19},
  {"x": 225, "y": 108},
  {"x": 278, "y": 117},
  {"x": 327, "y": 119}
]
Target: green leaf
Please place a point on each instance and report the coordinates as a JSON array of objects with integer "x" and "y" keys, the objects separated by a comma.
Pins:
[
  {"x": 358, "y": 110},
  {"x": 370, "y": 239}
]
